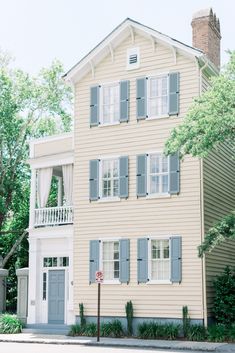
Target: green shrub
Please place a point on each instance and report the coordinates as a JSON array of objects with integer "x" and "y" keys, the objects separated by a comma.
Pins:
[
  {"x": 231, "y": 333},
  {"x": 81, "y": 312},
  {"x": 224, "y": 301},
  {"x": 10, "y": 324},
  {"x": 111, "y": 329},
  {"x": 153, "y": 330},
  {"x": 90, "y": 330},
  {"x": 216, "y": 333},
  {"x": 129, "y": 317},
  {"x": 196, "y": 333},
  {"x": 186, "y": 320},
  {"x": 75, "y": 330}
]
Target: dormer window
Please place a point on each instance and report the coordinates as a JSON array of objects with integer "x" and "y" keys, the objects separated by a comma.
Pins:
[{"x": 133, "y": 58}]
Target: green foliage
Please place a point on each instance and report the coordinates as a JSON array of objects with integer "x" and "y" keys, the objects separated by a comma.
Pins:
[
  {"x": 75, "y": 330},
  {"x": 111, "y": 329},
  {"x": 82, "y": 318},
  {"x": 224, "y": 300},
  {"x": 90, "y": 330},
  {"x": 221, "y": 231},
  {"x": 216, "y": 333},
  {"x": 196, "y": 333},
  {"x": 186, "y": 320},
  {"x": 129, "y": 317},
  {"x": 211, "y": 119},
  {"x": 10, "y": 324},
  {"x": 153, "y": 330}
]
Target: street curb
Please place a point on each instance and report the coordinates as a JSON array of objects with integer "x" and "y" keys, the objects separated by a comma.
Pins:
[{"x": 113, "y": 345}]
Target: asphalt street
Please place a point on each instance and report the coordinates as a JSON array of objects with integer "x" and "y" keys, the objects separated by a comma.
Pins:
[{"x": 9, "y": 347}]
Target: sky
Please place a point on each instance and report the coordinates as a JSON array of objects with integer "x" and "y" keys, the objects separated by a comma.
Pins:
[{"x": 37, "y": 31}]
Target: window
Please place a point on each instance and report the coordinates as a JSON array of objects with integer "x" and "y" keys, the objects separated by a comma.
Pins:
[
  {"x": 157, "y": 96},
  {"x": 133, "y": 58},
  {"x": 110, "y": 178},
  {"x": 110, "y": 260},
  {"x": 110, "y": 103},
  {"x": 159, "y": 260},
  {"x": 158, "y": 176},
  {"x": 55, "y": 261},
  {"x": 44, "y": 287}
]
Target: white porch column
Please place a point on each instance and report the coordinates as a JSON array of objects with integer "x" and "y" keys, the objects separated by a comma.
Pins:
[
  {"x": 32, "y": 198},
  {"x": 60, "y": 190},
  {"x": 3, "y": 275},
  {"x": 34, "y": 249}
]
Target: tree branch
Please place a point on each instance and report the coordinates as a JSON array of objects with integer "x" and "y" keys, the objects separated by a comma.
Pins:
[{"x": 14, "y": 247}]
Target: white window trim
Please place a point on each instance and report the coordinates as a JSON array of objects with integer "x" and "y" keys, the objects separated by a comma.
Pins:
[
  {"x": 162, "y": 116},
  {"x": 113, "y": 281},
  {"x": 101, "y": 123},
  {"x": 154, "y": 281},
  {"x": 156, "y": 195},
  {"x": 130, "y": 51},
  {"x": 110, "y": 198}
]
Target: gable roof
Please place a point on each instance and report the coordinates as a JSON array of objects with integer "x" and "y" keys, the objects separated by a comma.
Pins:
[{"x": 128, "y": 28}]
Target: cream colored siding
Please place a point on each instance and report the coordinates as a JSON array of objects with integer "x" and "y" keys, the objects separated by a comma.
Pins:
[
  {"x": 219, "y": 200},
  {"x": 133, "y": 218},
  {"x": 55, "y": 146}
]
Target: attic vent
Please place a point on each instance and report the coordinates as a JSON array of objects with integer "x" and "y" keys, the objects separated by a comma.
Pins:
[{"x": 133, "y": 58}]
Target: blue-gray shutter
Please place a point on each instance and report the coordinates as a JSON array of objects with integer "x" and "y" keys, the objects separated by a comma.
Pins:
[
  {"x": 124, "y": 101},
  {"x": 141, "y": 98},
  {"x": 176, "y": 259},
  {"x": 124, "y": 260},
  {"x": 94, "y": 105},
  {"x": 141, "y": 175},
  {"x": 142, "y": 260},
  {"x": 123, "y": 177},
  {"x": 94, "y": 259},
  {"x": 94, "y": 180},
  {"x": 174, "y": 93},
  {"x": 174, "y": 174}
]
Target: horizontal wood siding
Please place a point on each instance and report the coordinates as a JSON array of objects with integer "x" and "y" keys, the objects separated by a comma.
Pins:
[
  {"x": 219, "y": 200},
  {"x": 134, "y": 218}
]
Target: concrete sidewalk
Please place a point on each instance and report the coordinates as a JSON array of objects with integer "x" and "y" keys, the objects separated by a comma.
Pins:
[{"x": 120, "y": 342}]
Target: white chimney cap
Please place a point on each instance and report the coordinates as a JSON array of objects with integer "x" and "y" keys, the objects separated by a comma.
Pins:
[{"x": 202, "y": 13}]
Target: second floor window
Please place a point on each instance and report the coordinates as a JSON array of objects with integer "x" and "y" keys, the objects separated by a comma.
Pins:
[
  {"x": 110, "y": 178},
  {"x": 110, "y": 102},
  {"x": 110, "y": 260},
  {"x": 158, "y": 96},
  {"x": 158, "y": 182}
]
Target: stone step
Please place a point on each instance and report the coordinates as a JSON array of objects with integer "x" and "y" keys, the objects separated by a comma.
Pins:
[{"x": 50, "y": 329}]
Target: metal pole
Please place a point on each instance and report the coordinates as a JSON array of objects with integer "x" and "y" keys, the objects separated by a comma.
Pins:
[{"x": 98, "y": 315}]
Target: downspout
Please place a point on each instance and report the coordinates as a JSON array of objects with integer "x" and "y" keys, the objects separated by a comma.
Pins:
[{"x": 203, "y": 261}]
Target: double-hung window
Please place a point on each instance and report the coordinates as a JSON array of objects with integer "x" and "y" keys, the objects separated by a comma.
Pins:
[
  {"x": 110, "y": 178},
  {"x": 159, "y": 267},
  {"x": 110, "y": 260},
  {"x": 158, "y": 93},
  {"x": 110, "y": 103},
  {"x": 158, "y": 174}
]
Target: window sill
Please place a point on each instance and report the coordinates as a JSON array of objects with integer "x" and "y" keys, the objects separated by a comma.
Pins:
[
  {"x": 112, "y": 282},
  {"x": 109, "y": 124},
  {"x": 158, "y": 117},
  {"x": 159, "y": 282},
  {"x": 109, "y": 199},
  {"x": 158, "y": 196}
]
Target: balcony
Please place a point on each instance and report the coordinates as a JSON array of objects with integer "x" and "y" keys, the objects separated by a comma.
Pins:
[{"x": 52, "y": 216}]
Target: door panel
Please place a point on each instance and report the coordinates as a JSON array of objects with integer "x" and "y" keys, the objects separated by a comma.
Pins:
[{"x": 56, "y": 296}]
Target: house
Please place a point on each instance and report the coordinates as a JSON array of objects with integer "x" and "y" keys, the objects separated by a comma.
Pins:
[{"x": 122, "y": 206}]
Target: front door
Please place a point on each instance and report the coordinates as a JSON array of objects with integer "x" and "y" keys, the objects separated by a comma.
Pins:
[{"x": 56, "y": 292}]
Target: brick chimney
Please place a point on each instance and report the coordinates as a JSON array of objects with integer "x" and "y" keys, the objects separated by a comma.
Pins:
[{"x": 206, "y": 34}]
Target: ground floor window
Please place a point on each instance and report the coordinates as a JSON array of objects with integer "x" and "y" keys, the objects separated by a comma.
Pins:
[
  {"x": 110, "y": 260},
  {"x": 159, "y": 260}
]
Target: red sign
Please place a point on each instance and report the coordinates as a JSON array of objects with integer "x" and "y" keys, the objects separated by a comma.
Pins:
[{"x": 99, "y": 277}]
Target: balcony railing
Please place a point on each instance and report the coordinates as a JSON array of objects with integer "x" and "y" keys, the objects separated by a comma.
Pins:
[{"x": 53, "y": 216}]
